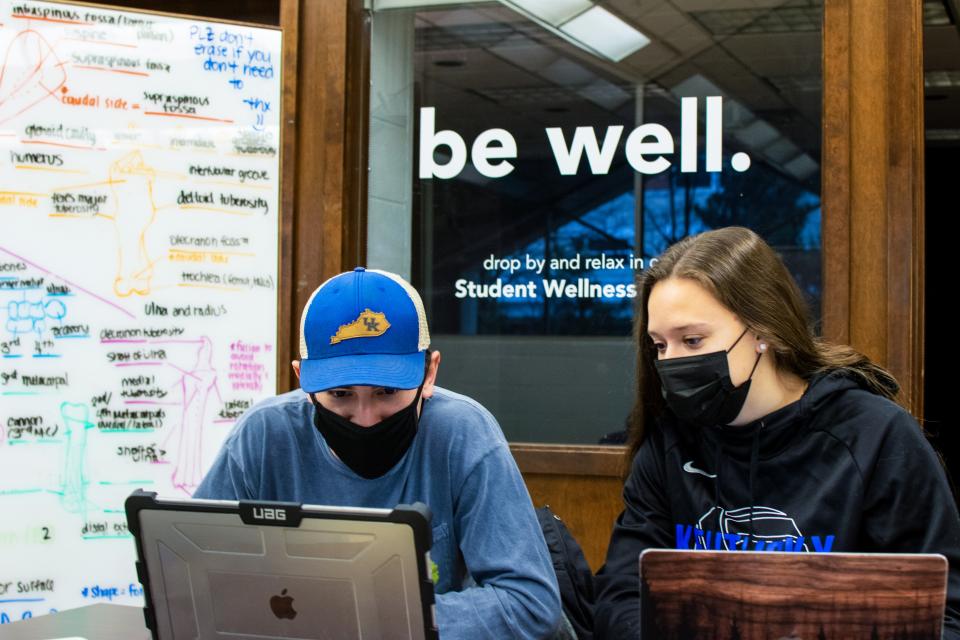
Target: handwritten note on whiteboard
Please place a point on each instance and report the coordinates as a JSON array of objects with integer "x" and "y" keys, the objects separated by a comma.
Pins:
[{"x": 139, "y": 192}]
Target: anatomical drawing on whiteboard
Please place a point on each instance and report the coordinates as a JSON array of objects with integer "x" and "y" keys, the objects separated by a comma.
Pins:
[
  {"x": 131, "y": 183},
  {"x": 138, "y": 276},
  {"x": 31, "y": 73}
]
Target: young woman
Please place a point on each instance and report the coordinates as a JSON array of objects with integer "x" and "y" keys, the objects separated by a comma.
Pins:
[{"x": 751, "y": 433}]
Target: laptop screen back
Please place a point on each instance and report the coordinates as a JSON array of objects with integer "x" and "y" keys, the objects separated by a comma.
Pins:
[{"x": 213, "y": 576}]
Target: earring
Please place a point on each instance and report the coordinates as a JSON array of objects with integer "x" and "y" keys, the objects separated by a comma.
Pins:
[{"x": 763, "y": 346}]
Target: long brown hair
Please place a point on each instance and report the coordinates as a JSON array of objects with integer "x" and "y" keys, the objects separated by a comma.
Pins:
[{"x": 746, "y": 276}]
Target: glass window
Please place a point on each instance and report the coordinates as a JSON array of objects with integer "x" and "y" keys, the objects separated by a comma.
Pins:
[{"x": 528, "y": 158}]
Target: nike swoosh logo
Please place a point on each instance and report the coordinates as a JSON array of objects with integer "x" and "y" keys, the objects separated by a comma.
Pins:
[{"x": 689, "y": 468}]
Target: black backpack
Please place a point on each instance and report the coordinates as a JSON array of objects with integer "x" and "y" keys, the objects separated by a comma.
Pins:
[{"x": 573, "y": 573}]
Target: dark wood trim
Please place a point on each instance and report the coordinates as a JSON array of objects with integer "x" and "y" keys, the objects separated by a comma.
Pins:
[
  {"x": 317, "y": 169},
  {"x": 835, "y": 180},
  {"x": 325, "y": 161},
  {"x": 325, "y": 28},
  {"x": 357, "y": 136},
  {"x": 289, "y": 23},
  {"x": 906, "y": 200},
  {"x": 868, "y": 110},
  {"x": 568, "y": 460},
  {"x": 873, "y": 232}
]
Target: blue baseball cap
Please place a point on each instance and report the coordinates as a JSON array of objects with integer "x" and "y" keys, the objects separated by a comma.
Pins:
[{"x": 363, "y": 327}]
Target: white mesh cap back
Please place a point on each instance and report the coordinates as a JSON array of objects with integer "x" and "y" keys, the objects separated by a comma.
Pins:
[{"x": 423, "y": 340}]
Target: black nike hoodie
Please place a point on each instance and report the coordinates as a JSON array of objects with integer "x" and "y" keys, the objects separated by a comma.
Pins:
[{"x": 840, "y": 469}]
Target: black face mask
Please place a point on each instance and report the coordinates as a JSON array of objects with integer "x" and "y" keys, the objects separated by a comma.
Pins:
[
  {"x": 698, "y": 388},
  {"x": 369, "y": 451}
]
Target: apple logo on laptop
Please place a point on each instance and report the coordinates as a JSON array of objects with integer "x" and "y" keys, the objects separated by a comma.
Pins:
[{"x": 282, "y": 606}]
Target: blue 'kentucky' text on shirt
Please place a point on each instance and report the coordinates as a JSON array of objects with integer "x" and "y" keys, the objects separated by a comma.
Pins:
[{"x": 691, "y": 537}]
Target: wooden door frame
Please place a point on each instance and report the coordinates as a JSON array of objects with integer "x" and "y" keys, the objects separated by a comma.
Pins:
[
  {"x": 323, "y": 195},
  {"x": 873, "y": 185}
]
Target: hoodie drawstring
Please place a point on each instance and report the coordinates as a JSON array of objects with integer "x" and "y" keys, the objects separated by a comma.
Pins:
[
  {"x": 716, "y": 480},
  {"x": 752, "y": 476},
  {"x": 754, "y": 457}
]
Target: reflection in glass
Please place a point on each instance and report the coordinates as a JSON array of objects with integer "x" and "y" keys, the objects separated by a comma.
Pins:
[{"x": 728, "y": 95}]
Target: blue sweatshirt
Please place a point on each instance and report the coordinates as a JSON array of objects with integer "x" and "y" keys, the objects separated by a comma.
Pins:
[{"x": 496, "y": 577}]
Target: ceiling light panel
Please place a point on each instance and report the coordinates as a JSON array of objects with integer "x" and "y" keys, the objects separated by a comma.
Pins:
[
  {"x": 553, "y": 12},
  {"x": 605, "y": 33}
]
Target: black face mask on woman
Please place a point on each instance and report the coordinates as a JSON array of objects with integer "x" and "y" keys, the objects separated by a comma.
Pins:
[
  {"x": 698, "y": 388},
  {"x": 369, "y": 451}
]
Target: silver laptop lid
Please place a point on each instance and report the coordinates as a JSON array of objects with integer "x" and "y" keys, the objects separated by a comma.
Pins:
[{"x": 220, "y": 569}]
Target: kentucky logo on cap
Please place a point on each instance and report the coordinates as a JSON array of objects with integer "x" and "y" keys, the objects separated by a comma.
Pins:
[{"x": 368, "y": 324}]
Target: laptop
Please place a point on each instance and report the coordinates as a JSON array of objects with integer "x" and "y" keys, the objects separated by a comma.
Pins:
[
  {"x": 767, "y": 595},
  {"x": 225, "y": 569}
]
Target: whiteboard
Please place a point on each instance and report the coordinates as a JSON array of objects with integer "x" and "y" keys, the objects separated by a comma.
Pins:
[{"x": 139, "y": 191}]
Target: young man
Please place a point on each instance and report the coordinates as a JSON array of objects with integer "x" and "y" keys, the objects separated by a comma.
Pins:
[{"x": 369, "y": 428}]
